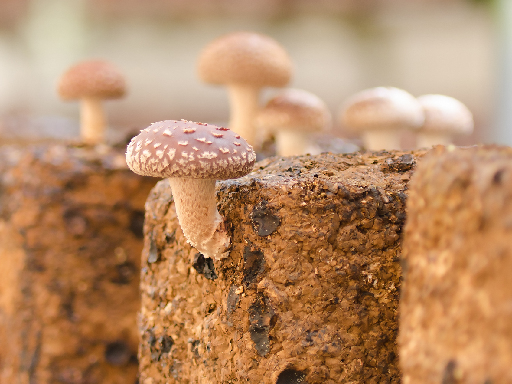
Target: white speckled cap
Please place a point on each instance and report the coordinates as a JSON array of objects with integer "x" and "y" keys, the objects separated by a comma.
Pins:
[
  {"x": 181, "y": 148},
  {"x": 295, "y": 109},
  {"x": 245, "y": 58},
  {"x": 445, "y": 114},
  {"x": 382, "y": 108}
]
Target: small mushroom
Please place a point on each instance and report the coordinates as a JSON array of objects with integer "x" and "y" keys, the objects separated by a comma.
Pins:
[
  {"x": 444, "y": 118},
  {"x": 380, "y": 115},
  {"x": 193, "y": 156},
  {"x": 92, "y": 82},
  {"x": 293, "y": 115},
  {"x": 245, "y": 62}
]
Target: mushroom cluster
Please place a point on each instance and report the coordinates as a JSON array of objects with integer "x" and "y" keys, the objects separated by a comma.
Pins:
[
  {"x": 381, "y": 114},
  {"x": 192, "y": 156}
]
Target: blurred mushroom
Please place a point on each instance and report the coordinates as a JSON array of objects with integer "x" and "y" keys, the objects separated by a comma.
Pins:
[
  {"x": 444, "y": 117},
  {"x": 293, "y": 115},
  {"x": 193, "y": 156},
  {"x": 380, "y": 115},
  {"x": 91, "y": 82},
  {"x": 245, "y": 62}
]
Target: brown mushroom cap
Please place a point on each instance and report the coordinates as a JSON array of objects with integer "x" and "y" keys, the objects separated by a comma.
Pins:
[
  {"x": 295, "y": 109},
  {"x": 382, "y": 108},
  {"x": 245, "y": 58},
  {"x": 445, "y": 114},
  {"x": 95, "y": 78},
  {"x": 183, "y": 148}
]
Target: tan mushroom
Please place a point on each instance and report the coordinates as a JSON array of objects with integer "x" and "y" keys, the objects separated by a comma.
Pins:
[
  {"x": 445, "y": 117},
  {"x": 380, "y": 115},
  {"x": 245, "y": 62},
  {"x": 293, "y": 115},
  {"x": 193, "y": 156},
  {"x": 91, "y": 82}
]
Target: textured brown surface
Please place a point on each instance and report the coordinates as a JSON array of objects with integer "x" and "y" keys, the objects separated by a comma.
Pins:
[
  {"x": 309, "y": 292},
  {"x": 70, "y": 243},
  {"x": 456, "y": 314}
]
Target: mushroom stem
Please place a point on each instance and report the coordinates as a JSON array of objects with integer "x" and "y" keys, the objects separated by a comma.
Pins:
[
  {"x": 92, "y": 120},
  {"x": 291, "y": 143},
  {"x": 428, "y": 140},
  {"x": 244, "y": 104},
  {"x": 381, "y": 139},
  {"x": 196, "y": 207}
]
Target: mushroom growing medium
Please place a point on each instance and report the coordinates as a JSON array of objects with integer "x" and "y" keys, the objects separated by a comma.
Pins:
[
  {"x": 245, "y": 62},
  {"x": 293, "y": 115},
  {"x": 91, "y": 82},
  {"x": 444, "y": 117},
  {"x": 380, "y": 115},
  {"x": 193, "y": 156}
]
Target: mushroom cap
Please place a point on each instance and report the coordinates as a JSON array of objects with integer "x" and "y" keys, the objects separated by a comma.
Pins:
[
  {"x": 445, "y": 114},
  {"x": 382, "y": 108},
  {"x": 181, "y": 148},
  {"x": 295, "y": 109},
  {"x": 245, "y": 58},
  {"x": 94, "y": 78}
]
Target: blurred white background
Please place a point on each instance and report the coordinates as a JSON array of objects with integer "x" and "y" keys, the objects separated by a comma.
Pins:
[{"x": 452, "y": 47}]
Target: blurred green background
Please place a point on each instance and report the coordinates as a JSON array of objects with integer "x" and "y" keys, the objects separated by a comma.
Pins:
[{"x": 461, "y": 48}]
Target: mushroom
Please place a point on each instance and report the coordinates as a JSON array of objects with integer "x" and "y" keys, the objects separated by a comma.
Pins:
[
  {"x": 380, "y": 114},
  {"x": 245, "y": 62},
  {"x": 193, "y": 156},
  {"x": 444, "y": 117},
  {"x": 293, "y": 115},
  {"x": 91, "y": 82}
]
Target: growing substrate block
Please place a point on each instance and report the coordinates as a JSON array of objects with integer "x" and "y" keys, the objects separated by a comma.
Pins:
[
  {"x": 70, "y": 241},
  {"x": 309, "y": 292},
  {"x": 456, "y": 305}
]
